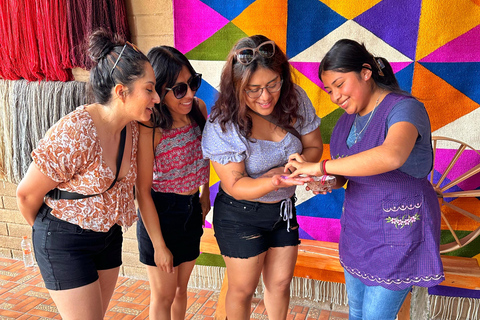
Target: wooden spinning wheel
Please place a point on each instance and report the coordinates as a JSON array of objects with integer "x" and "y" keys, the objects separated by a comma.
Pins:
[{"x": 442, "y": 187}]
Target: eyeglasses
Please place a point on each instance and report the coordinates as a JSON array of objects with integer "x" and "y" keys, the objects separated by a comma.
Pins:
[
  {"x": 134, "y": 47},
  {"x": 271, "y": 88},
  {"x": 246, "y": 55},
  {"x": 180, "y": 90}
]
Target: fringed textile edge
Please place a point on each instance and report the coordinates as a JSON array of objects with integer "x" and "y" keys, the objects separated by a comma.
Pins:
[
  {"x": 211, "y": 278},
  {"x": 6, "y": 131},
  {"x": 454, "y": 308},
  {"x": 319, "y": 291},
  {"x": 27, "y": 110},
  {"x": 420, "y": 304},
  {"x": 207, "y": 277}
]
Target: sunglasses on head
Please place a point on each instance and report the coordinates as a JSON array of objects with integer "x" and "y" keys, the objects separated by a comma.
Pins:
[
  {"x": 134, "y": 47},
  {"x": 246, "y": 55},
  {"x": 180, "y": 90}
]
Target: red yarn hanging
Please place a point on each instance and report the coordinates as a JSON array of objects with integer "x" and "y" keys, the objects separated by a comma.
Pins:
[
  {"x": 52, "y": 38},
  {"x": 7, "y": 54},
  {"x": 32, "y": 53},
  {"x": 34, "y": 40},
  {"x": 44, "y": 39}
]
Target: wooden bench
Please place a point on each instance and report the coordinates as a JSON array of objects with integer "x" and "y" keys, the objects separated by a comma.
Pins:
[{"x": 319, "y": 260}]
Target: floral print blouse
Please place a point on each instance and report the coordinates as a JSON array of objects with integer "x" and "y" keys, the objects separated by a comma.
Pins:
[{"x": 70, "y": 154}]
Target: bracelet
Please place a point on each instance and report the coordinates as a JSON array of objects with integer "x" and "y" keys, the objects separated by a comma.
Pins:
[
  {"x": 323, "y": 167},
  {"x": 289, "y": 170}
]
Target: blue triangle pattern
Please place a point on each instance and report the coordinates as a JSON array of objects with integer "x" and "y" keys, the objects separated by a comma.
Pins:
[
  {"x": 230, "y": 11},
  {"x": 323, "y": 206},
  {"x": 459, "y": 75},
  {"x": 306, "y": 24},
  {"x": 395, "y": 22},
  {"x": 208, "y": 94},
  {"x": 405, "y": 77}
]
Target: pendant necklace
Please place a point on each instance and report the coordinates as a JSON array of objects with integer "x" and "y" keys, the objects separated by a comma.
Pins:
[{"x": 357, "y": 134}]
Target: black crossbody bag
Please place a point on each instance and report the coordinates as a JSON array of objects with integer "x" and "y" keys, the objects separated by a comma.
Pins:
[{"x": 57, "y": 194}]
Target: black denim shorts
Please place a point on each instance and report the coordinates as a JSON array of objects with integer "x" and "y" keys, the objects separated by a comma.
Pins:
[
  {"x": 245, "y": 229},
  {"x": 181, "y": 224},
  {"x": 68, "y": 256}
]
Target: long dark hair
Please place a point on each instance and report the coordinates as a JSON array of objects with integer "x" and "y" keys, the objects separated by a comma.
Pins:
[
  {"x": 348, "y": 55},
  {"x": 167, "y": 62},
  {"x": 104, "y": 50},
  {"x": 231, "y": 103}
]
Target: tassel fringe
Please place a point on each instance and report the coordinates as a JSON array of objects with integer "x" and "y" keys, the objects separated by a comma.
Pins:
[
  {"x": 27, "y": 110},
  {"x": 454, "y": 308},
  {"x": 423, "y": 306},
  {"x": 207, "y": 277},
  {"x": 211, "y": 278}
]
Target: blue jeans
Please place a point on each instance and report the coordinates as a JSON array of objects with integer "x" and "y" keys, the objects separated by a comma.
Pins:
[{"x": 372, "y": 302}]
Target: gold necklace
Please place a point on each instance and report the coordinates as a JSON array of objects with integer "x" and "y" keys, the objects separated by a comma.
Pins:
[{"x": 357, "y": 134}]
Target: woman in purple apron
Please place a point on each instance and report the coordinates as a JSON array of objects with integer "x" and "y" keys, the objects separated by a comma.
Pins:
[{"x": 381, "y": 145}]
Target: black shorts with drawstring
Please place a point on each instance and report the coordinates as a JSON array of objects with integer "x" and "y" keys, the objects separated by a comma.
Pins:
[{"x": 245, "y": 229}]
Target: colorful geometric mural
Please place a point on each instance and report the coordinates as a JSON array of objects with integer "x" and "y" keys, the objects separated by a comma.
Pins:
[{"x": 433, "y": 46}]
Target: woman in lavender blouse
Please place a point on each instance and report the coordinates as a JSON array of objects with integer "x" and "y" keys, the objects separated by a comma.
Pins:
[{"x": 254, "y": 215}]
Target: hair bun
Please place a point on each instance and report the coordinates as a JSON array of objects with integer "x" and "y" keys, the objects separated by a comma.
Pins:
[{"x": 101, "y": 43}]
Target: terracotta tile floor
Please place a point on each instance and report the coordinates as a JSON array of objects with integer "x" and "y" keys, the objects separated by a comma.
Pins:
[{"x": 23, "y": 296}]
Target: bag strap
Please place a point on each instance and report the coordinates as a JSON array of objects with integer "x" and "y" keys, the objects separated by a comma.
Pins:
[
  {"x": 57, "y": 194},
  {"x": 271, "y": 119}
]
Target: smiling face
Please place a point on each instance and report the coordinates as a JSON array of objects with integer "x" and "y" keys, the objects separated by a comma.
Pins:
[
  {"x": 182, "y": 106},
  {"x": 266, "y": 102},
  {"x": 351, "y": 91},
  {"x": 142, "y": 97}
]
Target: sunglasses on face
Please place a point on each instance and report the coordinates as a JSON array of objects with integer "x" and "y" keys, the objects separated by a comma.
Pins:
[
  {"x": 134, "y": 47},
  {"x": 180, "y": 90},
  {"x": 246, "y": 55}
]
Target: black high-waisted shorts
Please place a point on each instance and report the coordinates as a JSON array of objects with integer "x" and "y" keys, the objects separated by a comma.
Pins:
[
  {"x": 181, "y": 224},
  {"x": 68, "y": 256},
  {"x": 245, "y": 229}
]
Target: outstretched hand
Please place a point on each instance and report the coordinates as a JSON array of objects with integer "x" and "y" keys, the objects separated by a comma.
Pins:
[
  {"x": 284, "y": 181},
  {"x": 281, "y": 180}
]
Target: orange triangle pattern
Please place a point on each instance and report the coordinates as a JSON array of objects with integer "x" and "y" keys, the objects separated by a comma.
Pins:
[
  {"x": 459, "y": 221},
  {"x": 443, "y": 102},
  {"x": 255, "y": 20}
]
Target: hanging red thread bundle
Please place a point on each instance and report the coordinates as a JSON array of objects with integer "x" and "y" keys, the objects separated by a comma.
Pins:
[{"x": 45, "y": 39}]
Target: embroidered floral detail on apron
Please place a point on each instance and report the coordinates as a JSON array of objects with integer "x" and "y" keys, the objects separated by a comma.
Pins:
[{"x": 403, "y": 221}]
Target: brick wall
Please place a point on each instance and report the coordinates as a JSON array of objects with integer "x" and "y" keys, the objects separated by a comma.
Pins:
[{"x": 151, "y": 24}]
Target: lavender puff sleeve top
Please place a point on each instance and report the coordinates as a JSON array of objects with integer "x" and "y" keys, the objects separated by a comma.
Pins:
[{"x": 259, "y": 156}]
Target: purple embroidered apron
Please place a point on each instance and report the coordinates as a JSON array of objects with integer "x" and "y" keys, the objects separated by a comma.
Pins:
[{"x": 390, "y": 222}]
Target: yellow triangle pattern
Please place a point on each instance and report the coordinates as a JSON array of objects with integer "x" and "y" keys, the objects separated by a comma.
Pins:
[
  {"x": 265, "y": 17},
  {"x": 443, "y": 21},
  {"x": 350, "y": 9},
  {"x": 213, "y": 175},
  {"x": 320, "y": 99}
]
